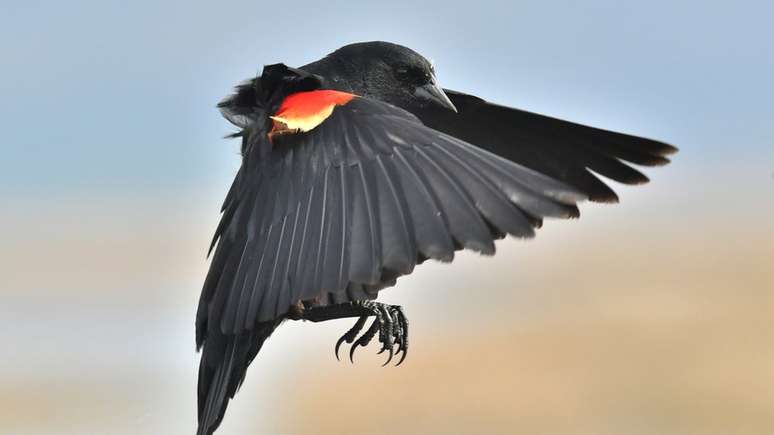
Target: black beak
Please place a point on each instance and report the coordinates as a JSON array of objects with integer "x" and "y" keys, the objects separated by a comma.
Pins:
[{"x": 434, "y": 94}]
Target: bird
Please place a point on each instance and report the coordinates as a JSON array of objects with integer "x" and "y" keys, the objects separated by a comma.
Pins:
[{"x": 355, "y": 169}]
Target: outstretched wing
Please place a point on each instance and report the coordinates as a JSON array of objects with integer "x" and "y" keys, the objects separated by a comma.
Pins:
[
  {"x": 356, "y": 202},
  {"x": 338, "y": 213},
  {"x": 560, "y": 149}
]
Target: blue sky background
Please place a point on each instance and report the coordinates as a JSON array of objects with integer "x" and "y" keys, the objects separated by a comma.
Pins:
[
  {"x": 648, "y": 317},
  {"x": 120, "y": 96}
]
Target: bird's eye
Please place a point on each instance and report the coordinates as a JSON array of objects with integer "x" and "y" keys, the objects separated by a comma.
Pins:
[
  {"x": 411, "y": 75},
  {"x": 402, "y": 72}
]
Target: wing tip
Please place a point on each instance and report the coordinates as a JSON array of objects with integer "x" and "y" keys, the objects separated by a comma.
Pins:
[
  {"x": 667, "y": 149},
  {"x": 657, "y": 160},
  {"x": 569, "y": 196},
  {"x": 482, "y": 247},
  {"x": 635, "y": 179},
  {"x": 604, "y": 197},
  {"x": 524, "y": 235}
]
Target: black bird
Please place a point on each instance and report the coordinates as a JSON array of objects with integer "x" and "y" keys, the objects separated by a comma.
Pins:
[{"x": 356, "y": 168}]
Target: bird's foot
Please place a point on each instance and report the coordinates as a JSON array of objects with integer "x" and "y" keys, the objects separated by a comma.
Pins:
[{"x": 389, "y": 322}]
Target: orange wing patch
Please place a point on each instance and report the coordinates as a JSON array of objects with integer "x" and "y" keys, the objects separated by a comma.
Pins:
[{"x": 303, "y": 111}]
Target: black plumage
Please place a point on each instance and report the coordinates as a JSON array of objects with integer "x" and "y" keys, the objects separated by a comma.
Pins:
[
  {"x": 563, "y": 150},
  {"x": 317, "y": 222}
]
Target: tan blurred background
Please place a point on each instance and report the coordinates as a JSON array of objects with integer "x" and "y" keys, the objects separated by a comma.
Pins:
[{"x": 652, "y": 317}]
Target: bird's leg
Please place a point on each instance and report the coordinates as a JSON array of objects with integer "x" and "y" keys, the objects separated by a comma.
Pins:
[{"x": 389, "y": 322}]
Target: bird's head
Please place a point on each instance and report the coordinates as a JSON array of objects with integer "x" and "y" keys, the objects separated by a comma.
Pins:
[{"x": 391, "y": 73}]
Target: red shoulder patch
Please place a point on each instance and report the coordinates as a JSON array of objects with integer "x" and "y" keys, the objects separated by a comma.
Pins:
[{"x": 303, "y": 111}]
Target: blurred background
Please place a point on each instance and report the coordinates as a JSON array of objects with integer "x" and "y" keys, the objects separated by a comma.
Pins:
[{"x": 653, "y": 316}]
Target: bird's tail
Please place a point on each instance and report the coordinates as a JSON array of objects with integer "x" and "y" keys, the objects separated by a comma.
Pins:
[{"x": 222, "y": 369}]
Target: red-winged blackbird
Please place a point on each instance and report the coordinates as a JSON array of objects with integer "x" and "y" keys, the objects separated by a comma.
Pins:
[{"x": 357, "y": 167}]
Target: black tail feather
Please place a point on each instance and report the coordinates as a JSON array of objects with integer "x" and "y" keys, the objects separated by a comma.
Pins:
[{"x": 222, "y": 369}]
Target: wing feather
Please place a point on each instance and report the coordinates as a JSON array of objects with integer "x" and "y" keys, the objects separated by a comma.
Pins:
[
  {"x": 490, "y": 199},
  {"x": 563, "y": 150},
  {"x": 467, "y": 228},
  {"x": 313, "y": 279},
  {"x": 363, "y": 259},
  {"x": 399, "y": 245},
  {"x": 341, "y": 211},
  {"x": 433, "y": 238}
]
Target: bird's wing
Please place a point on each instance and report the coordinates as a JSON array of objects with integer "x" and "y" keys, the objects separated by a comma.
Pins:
[
  {"x": 563, "y": 150},
  {"x": 358, "y": 201}
]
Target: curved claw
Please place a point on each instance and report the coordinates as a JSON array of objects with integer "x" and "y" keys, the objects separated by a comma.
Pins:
[
  {"x": 403, "y": 350},
  {"x": 403, "y": 342},
  {"x": 403, "y": 357},
  {"x": 350, "y": 335},
  {"x": 352, "y": 353},
  {"x": 391, "y": 324},
  {"x": 365, "y": 338},
  {"x": 355, "y": 346},
  {"x": 338, "y": 345},
  {"x": 389, "y": 358}
]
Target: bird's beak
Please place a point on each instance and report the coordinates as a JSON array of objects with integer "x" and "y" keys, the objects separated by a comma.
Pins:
[{"x": 434, "y": 94}]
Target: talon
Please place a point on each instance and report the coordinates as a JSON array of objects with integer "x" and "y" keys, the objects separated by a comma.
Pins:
[
  {"x": 338, "y": 345},
  {"x": 350, "y": 335},
  {"x": 403, "y": 357},
  {"x": 402, "y": 345},
  {"x": 365, "y": 338},
  {"x": 389, "y": 322},
  {"x": 403, "y": 342},
  {"x": 355, "y": 346},
  {"x": 389, "y": 358},
  {"x": 352, "y": 353}
]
